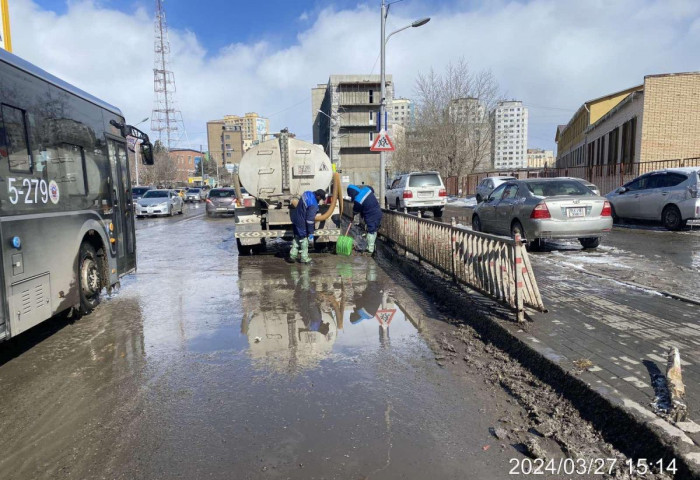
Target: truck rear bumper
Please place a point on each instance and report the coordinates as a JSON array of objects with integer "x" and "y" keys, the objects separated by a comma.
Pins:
[{"x": 288, "y": 234}]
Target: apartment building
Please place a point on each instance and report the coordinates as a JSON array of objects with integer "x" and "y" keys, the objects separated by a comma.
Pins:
[
  {"x": 509, "y": 123},
  {"x": 348, "y": 125},
  {"x": 225, "y": 142},
  {"x": 401, "y": 112},
  {"x": 186, "y": 161},
  {"x": 539, "y": 158},
  {"x": 254, "y": 128}
]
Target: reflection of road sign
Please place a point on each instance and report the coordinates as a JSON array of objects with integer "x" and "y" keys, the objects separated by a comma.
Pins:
[
  {"x": 385, "y": 316},
  {"x": 382, "y": 143}
]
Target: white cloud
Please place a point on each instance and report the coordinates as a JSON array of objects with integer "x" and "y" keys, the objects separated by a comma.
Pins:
[{"x": 549, "y": 53}]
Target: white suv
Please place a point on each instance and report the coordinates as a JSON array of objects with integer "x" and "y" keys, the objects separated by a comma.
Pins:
[{"x": 418, "y": 191}]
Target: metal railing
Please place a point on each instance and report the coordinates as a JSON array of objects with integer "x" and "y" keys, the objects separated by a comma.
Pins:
[{"x": 497, "y": 267}]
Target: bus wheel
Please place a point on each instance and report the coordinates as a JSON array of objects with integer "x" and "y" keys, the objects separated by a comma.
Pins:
[{"x": 89, "y": 278}]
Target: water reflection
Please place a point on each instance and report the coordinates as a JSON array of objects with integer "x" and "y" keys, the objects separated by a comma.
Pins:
[{"x": 297, "y": 316}]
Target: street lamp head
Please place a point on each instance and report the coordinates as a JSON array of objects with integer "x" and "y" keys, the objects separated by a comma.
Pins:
[{"x": 421, "y": 22}]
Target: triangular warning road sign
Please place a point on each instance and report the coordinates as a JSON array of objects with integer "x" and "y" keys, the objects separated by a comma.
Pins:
[
  {"x": 382, "y": 143},
  {"x": 385, "y": 316}
]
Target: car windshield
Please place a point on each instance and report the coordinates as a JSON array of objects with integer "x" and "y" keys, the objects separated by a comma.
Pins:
[
  {"x": 221, "y": 193},
  {"x": 139, "y": 190},
  {"x": 156, "y": 194},
  {"x": 425, "y": 180},
  {"x": 557, "y": 187}
]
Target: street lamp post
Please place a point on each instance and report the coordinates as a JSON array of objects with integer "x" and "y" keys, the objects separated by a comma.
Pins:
[
  {"x": 136, "y": 152},
  {"x": 382, "y": 104}
]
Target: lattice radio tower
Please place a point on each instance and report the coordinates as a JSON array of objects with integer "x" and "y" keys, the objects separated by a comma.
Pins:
[{"x": 166, "y": 119}]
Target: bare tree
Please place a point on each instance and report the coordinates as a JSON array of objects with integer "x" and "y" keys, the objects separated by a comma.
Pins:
[
  {"x": 452, "y": 132},
  {"x": 164, "y": 169}
]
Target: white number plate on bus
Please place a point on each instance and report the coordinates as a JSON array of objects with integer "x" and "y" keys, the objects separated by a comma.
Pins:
[{"x": 576, "y": 212}]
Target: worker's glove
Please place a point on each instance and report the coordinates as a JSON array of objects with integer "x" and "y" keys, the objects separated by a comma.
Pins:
[{"x": 311, "y": 238}]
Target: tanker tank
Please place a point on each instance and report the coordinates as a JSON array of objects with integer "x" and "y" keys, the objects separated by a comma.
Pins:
[{"x": 275, "y": 174}]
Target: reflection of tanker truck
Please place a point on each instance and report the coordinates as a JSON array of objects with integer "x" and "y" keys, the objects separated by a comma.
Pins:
[{"x": 276, "y": 173}]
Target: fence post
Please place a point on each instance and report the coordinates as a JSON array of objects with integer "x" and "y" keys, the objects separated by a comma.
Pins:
[
  {"x": 453, "y": 223},
  {"x": 519, "y": 285}
]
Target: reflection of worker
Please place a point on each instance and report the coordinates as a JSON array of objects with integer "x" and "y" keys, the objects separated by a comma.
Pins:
[
  {"x": 308, "y": 301},
  {"x": 366, "y": 204},
  {"x": 303, "y": 221},
  {"x": 368, "y": 302}
]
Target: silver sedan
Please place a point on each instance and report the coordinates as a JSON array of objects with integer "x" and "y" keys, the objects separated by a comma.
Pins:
[
  {"x": 545, "y": 208},
  {"x": 159, "y": 202}
]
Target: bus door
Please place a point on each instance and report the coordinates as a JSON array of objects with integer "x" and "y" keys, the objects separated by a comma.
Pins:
[{"x": 122, "y": 217}]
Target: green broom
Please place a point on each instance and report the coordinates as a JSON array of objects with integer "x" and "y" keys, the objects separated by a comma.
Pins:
[{"x": 344, "y": 244}]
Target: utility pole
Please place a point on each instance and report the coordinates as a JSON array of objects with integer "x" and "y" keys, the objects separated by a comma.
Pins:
[
  {"x": 5, "y": 37},
  {"x": 382, "y": 106}
]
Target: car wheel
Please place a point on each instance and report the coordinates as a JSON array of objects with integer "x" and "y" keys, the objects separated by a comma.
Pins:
[
  {"x": 476, "y": 223},
  {"x": 671, "y": 218},
  {"x": 437, "y": 212},
  {"x": 386, "y": 203},
  {"x": 589, "y": 242},
  {"x": 478, "y": 198},
  {"x": 398, "y": 205},
  {"x": 89, "y": 278}
]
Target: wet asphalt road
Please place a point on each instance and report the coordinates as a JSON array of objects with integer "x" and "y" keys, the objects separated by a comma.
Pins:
[
  {"x": 207, "y": 365},
  {"x": 643, "y": 253}
]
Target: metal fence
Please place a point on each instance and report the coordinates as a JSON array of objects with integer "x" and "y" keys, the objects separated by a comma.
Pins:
[
  {"x": 498, "y": 267},
  {"x": 606, "y": 177}
]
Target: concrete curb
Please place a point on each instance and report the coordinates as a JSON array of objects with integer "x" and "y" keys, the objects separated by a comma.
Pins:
[{"x": 631, "y": 427}]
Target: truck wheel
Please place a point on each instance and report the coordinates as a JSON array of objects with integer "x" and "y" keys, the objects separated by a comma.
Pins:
[
  {"x": 89, "y": 278},
  {"x": 589, "y": 242}
]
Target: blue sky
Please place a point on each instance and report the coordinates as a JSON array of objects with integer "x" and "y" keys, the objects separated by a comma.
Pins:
[{"x": 234, "y": 56}]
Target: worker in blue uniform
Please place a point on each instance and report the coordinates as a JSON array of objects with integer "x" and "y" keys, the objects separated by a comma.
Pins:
[
  {"x": 366, "y": 205},
  {"x": 303, "y": 221}
]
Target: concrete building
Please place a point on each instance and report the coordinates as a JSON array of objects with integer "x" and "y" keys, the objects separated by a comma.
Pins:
[
  {"x": 255, "y": 129},
  {"x": 185, "y": 160},
  {"x": 352, "y": 101},
  {"x": 658, "y": 120},
  {"x": 467, "y": 110},
  {"x": 539, "y": 158},
  {"x": 509, "y": 124},
  {"x": 225, "y": 143},
  {"x": 401, "y": 112}
]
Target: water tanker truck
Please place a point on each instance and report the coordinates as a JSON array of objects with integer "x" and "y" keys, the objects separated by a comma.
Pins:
[{"x": 275, "y": 174}]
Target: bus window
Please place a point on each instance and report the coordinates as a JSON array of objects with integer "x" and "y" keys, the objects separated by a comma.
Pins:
[
  {"x": 15, "y": 128},
  {"x": 73, "y": 160}
]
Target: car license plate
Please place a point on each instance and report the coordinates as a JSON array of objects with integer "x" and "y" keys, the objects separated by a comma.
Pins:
[
  {"x": 576, "y": 212},
  {"x": 221, "y": 209},
  {"x": 425, "y": 194}
]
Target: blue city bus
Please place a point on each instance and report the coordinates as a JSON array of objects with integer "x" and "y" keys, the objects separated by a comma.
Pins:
[{"x": 66, "y": 217}]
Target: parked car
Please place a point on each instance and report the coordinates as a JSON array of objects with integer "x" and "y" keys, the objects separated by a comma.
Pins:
[
  {"x": 159, "y": 202},
  {"x": 544, "y": 208},
  {"x": 592, "y": 186},
  {"x": 671, "y": 196},
  {"x": 487, "y": 185},
  {"x": 418, "y": 191},
  {"x": 138, "y": 191},
  {"x": 220, "y": 201},
  {"x": 194, "y": 195}
]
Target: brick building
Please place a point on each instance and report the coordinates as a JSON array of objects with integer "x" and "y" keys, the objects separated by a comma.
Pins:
[
  {"x": 658, "y": 120},
  {"x": 185, "y": 161}
]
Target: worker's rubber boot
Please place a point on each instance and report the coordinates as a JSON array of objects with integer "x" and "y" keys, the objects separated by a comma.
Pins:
[
  {"x": 305, "y": 250},
  {"x": 371, "y": 240},
  {"x": 294, "y": 252}
]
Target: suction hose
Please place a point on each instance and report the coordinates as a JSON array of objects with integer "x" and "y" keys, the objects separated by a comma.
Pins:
[
  {"x": 237, "y": 187},
  {"x": 337, "y": 197}
]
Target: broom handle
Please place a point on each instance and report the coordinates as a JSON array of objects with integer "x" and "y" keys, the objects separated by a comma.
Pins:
[{"x": 348, "y": 230}]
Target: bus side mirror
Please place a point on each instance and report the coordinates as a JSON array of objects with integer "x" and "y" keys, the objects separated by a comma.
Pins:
[{"x": 147, "y": 153}]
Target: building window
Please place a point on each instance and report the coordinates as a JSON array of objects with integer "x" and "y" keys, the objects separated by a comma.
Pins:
[{"x": 371, "y": 96}]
